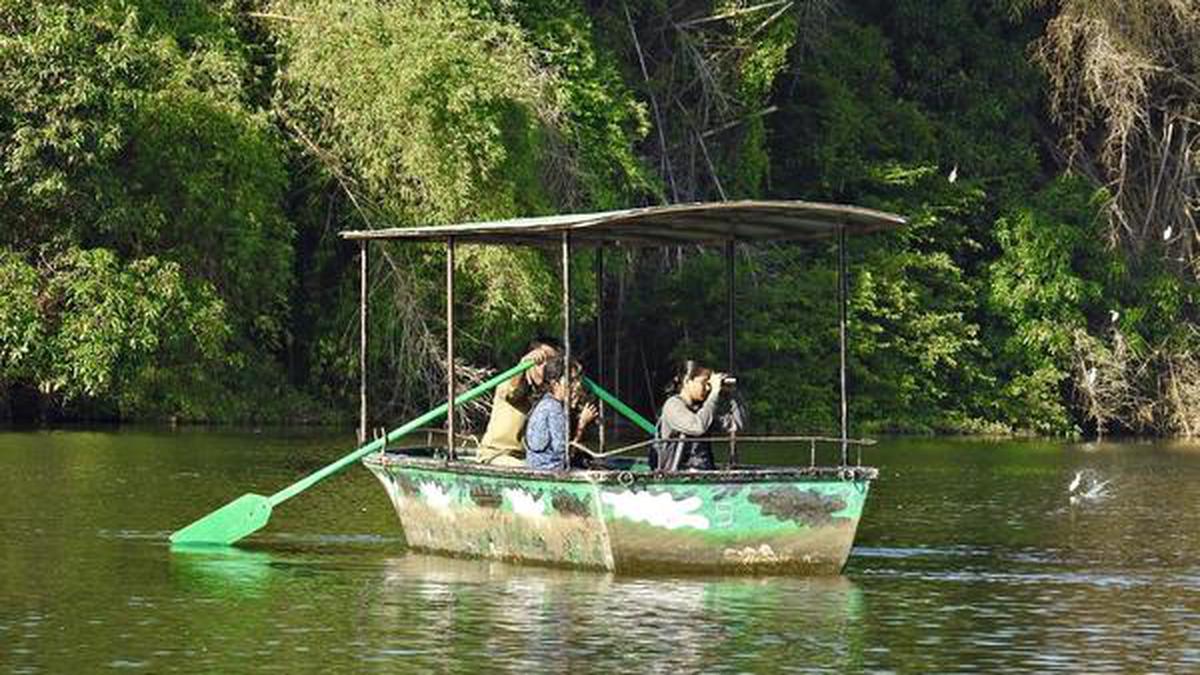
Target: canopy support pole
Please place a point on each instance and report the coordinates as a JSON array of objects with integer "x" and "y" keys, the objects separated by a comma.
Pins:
[
  {"x": 362, "y": 342},
  {"x": 730, "y": 309},
  {"x": 450, "y": 416},
  {"x": 566, "y": 309},
  {"x": 842, "y": 300},
  {"x": 600, "y": 334}
]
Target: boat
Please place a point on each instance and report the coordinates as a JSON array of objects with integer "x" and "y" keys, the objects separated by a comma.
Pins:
[{"x": 621, "y": 516}]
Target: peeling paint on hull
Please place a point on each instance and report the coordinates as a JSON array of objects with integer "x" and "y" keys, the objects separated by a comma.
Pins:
[{"x": 762, "y": 520}]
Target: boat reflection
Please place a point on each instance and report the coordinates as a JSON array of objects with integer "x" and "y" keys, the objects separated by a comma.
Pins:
[{"x": 521, "y": 615}]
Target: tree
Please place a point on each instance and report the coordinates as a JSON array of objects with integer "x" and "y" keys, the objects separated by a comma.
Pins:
[{"x": 143, "y": 195}]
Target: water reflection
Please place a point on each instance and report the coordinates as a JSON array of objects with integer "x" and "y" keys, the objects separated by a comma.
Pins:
[
  {"x": 520, "y": 616},
  {"x": 971, "y": 558},
  {"x": 220, "y": 570}
]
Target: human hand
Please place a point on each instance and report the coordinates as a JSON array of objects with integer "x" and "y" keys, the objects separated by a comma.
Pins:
[
  {"x": 536, "y": 356},
  {"x": 714, "y": 383},
  {"x": 587, "y": 414}
]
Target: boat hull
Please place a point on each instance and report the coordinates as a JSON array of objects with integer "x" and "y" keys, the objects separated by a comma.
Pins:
[{"x": 750, "y": 520}]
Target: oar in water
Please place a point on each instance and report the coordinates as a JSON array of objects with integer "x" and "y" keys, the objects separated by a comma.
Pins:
[{"x": 248, "y": 513}]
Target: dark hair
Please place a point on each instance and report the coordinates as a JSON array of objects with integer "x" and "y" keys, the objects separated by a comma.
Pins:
[
  {"x": 552, "y": 371},
  {"x": 689, "y": 370},
  {"x": 547, "y": 341}
]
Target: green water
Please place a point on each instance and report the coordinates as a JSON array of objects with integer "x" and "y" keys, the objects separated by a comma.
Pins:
[{"x": 970, "y": 557}]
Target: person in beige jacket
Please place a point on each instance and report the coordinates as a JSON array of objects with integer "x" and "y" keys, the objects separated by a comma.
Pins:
[{"x": 503, "y": 441}]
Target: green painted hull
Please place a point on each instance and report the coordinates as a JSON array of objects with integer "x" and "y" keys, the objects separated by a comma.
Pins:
[{"x": 750, "y": 520}]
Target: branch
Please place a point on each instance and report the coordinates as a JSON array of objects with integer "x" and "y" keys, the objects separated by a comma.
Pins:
[
  {"x": 729, "y": 125},
  {"x": 733, "y": 13},
  {"x": 275, "y": 17},
  {"x": 658, "y": 124},
  {"x": 331, "y": 163}
]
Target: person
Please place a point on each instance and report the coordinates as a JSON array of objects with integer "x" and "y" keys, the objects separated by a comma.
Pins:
[
  {"x": 511, "y": 403},
  {"x": 690, "y": 412},
  {"x": 546, "y": 434}
]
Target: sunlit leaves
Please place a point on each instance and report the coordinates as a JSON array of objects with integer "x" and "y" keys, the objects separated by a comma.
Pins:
[
  {"x": 23, "y": 346},
  {"x": 90, "y": 324},
  {"x": 143, "y": 195},
  {"x": 435, "y": 113}
]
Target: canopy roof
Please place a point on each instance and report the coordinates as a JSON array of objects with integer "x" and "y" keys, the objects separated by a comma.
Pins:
[{"x": 697, "y": 223}]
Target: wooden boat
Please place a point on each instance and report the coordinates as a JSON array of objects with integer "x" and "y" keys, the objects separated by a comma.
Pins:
[
  {"x": 740, "y": 518},
  {"x": 748, "y": 519}
]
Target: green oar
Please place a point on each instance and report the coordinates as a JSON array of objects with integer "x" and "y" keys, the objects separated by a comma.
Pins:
[
  {"x": 250, "y": 512},
  {"x": 618, "y": 405}
]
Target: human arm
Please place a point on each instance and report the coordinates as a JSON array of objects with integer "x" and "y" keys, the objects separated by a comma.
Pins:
[
  {"x": 679, "y": 418},
  {"x": 558, "y": 432},
  {"x": 736, "y": 415},
  {"x": 516, "y": 385}
]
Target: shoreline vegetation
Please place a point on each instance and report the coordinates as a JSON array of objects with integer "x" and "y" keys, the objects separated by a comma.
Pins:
[{"x": 175, "y": 173}]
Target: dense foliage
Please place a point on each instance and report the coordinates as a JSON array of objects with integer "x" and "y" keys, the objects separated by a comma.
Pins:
[{"x": 175, "y": 175}]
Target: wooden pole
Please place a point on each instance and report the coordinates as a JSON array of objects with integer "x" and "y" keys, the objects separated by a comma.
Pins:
[
  {"x": 566, "y": 308},
  {"x": 450, "y": 416},
  {"x": 842, "y": 293},
  {"x": 729, "y": 306},
  {"x": 625, "y": 262},
  {"x": 600, "y": 334},
  {"x": 731, "y": 317},
  {"x": 362, "y": 342}
]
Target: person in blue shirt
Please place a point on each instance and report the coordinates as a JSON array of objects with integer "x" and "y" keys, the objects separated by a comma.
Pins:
[{"x": 545, "y": 432}]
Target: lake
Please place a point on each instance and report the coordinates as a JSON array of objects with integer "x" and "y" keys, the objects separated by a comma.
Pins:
[{"x": 970, "y": 557}]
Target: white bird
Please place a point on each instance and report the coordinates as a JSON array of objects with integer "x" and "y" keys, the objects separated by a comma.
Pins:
[
  {"x": 1091, "y": 376},
  {"x": 1114, "y": 315},
  {"x": 1094, "y": 492},
  {"x": 1167, "y": 233},
  {"x": 1097, "y": 490},
  {"x": 953, "y": 174}
]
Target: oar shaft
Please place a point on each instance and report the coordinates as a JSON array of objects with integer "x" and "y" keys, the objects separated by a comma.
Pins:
[
  {"x": 396, "y": 434},
  {"x": 617, "y": 405}
]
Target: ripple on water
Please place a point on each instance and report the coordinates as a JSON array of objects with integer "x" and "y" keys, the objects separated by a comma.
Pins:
[{"x": 970, "y": 560}]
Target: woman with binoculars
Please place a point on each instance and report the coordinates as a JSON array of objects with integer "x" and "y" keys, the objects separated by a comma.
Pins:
[{"x": 689, "y": 413}]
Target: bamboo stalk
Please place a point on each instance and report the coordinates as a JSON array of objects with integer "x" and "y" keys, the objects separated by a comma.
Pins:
[{"x": 658, "y": 123}]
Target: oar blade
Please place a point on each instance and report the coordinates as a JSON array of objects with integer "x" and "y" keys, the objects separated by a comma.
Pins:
[
  {"x": 237, "y": 519},
  {"x": 249, "y": 513}
]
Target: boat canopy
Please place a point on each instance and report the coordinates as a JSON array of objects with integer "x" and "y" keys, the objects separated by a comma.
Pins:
[
  {"x": 701, "y": 223},
  {"x": 674, "y": 225}
]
